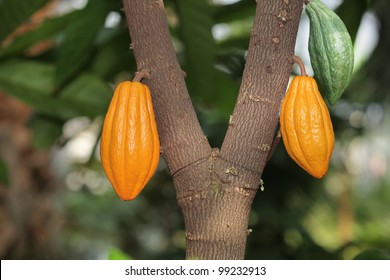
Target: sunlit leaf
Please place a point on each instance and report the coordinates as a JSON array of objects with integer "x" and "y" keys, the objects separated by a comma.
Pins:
[{"x": 117, "y": 254}]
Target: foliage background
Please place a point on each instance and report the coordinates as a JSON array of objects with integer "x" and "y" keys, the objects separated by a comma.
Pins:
[{"x": 59, "y": 63}]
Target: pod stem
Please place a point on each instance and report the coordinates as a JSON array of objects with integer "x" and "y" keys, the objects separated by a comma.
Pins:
[
  {"x": 142, "y": 74},
  {"x": 298, "y": 60}
]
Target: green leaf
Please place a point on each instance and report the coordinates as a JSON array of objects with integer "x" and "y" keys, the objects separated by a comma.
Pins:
[
  {"x": 32, "y": 82},
  {"x": 195, "y": 26},
  {"x": 14, "y": 13},
  {"x": 46, "y": 30},
  {"x": 79, "y": 38},
  {"x": 113, "y": 55},
  {"x": 29, "y": 81},
  {"x": 225, "y": 94},
  {"x": 236, "y": 11},
  {"x": 240, "y": 42},
  {"x": 232, "y": 62},
  {"x": 117, "y": 254},
  {"x": 372, "y": 254},
  {"x": 88, "y": 95},
  {"x": 35, "y": 76},
  {"x": 3, "y": 173},
  {"x": 45, "y": 131},
  {"x": 351, "y": 12},
  {"x": 238, "y": 35}
]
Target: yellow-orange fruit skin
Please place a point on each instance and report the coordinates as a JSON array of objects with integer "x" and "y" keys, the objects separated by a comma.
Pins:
[
  {"x": 306, "y": 127},
  {"x": 130, "y": 147}
]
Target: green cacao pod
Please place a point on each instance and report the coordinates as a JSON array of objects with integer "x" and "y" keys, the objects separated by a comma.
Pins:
[{"x": 330, "y": 49}]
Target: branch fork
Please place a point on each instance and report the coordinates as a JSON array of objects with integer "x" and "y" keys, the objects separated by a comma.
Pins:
[{"x": 207, "y": 215}]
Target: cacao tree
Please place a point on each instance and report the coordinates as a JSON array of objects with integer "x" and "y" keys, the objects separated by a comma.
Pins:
[
  {"x": 67, "y": 66},
  {"x": 215, "y": 186}
]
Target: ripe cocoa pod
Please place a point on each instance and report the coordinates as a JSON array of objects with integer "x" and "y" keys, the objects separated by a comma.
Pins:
[
  {"x": 306, "y": 127},
  {"x": 130, "y": 147},
  {"x": 330, "y": 49}
]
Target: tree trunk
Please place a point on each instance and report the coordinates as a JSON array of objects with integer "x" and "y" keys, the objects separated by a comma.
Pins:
[{"x": 215, "y": 189}]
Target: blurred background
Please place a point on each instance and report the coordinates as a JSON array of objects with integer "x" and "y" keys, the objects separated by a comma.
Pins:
[{"x": 59, "y": 63}]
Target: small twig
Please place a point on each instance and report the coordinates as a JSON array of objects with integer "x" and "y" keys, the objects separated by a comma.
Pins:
[
  {"x": 306, "y": 2},
  {"x": 142, "y": 74},
  {"x": 301, "y": 65}
]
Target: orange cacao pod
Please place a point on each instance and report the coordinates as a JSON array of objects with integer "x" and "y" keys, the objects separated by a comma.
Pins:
[
  {"x": 130, "y": 147},
  {"x": 306, "y": 127}
]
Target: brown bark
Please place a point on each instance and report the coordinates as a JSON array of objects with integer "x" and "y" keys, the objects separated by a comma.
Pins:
[
  {"x": 215, "y": 189},
  {"x": 271, "y": 48},
  {"x": 182, "y": 140}
]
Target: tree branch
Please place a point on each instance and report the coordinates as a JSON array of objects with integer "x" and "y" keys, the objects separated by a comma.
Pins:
[
  {"x": 182, "y": 140},
  {"x": 215, "y": 189},
  {"x": 249, "y": 138}
]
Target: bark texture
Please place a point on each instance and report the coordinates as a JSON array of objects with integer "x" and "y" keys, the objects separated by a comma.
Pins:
[
  {"x": 181, "y": 137},
  {"x": 249, "y": 138},
  {"x": 215, "y": 189}
]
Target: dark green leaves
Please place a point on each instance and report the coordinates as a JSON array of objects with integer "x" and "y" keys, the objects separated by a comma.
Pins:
[
  {"x": 351, "y": 12},
  {"x": 372, "y": 254},
  {"x": 45, "y": 31},
  {"x": 113, "y": 55},
  {"x": 32, "y": 82},
  {"x": 79, "y": 38},
  {"x": 4, "y": 179},
  {"x": 14, "y": 13},
  {"x": 87, "y": 95},
  {"x": 29, "y": 81},
  {"x": 195, "y": 29},
  {"x": 45, "y": 131}
]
